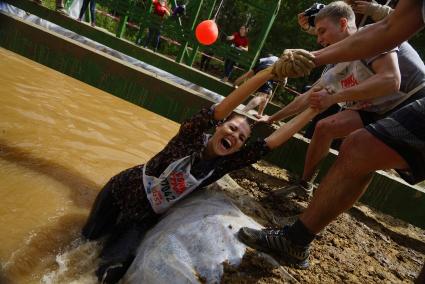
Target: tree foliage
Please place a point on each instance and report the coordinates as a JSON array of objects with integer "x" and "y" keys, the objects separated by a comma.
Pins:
[{"x": 286, "y": 33}]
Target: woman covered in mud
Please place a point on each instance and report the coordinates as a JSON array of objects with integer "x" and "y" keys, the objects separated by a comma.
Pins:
[{"x": 133, "y": 201}]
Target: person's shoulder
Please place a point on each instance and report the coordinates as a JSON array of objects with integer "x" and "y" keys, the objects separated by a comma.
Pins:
[
  {"x": 372, "y": 59},
  {"x": 406, "y": 46},
  {"x": 408, "y": 56}
]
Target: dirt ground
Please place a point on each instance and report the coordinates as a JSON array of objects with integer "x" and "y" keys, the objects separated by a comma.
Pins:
[{"x": 361, "y": 246}]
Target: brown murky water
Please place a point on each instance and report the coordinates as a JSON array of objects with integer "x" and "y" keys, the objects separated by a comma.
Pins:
[{"x": 60, "y": 141}]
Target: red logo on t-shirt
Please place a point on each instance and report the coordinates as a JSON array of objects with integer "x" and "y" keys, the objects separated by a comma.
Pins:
[
  {"x": 177, "y": 182},
  {"x": 348, "y": 82}
]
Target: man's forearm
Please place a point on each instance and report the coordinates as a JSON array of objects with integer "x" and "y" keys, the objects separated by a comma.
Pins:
[{"x": 375, "y": 86}]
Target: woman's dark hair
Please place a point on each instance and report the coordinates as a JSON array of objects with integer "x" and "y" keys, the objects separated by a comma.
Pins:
[{"x": 249, "y": 121}]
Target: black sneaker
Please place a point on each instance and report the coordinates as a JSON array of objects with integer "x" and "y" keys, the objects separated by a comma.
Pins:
[
  {"x": 301, "y": 189},
  {"x": 275, "y": 240}
]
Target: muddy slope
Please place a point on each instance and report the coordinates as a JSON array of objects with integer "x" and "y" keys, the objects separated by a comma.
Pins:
[{"x": 361, "y": 246}]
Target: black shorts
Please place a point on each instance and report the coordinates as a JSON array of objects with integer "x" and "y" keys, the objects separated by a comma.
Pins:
[
  {"x": 404, "y": 131},
  {"x": 370, "y": 117},
  {"x": 266, "y": 88}
]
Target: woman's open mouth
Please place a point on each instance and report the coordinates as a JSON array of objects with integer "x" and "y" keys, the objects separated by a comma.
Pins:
[{"x": 227, "y": 144}]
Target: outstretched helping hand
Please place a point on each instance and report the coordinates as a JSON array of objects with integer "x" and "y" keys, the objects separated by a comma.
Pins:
[
  {"x": 293, "y": 63},
  {"x": 263, "y": 119}
]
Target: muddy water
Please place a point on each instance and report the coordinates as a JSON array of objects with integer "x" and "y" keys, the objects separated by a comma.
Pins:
[{"x": 60, "y": 141}]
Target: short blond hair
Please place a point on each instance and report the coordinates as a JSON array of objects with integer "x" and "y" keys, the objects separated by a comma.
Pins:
[{"x": 337, "y": 10}]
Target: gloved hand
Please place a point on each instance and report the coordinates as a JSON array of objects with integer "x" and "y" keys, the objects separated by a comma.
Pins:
[
  {"x": 375, "y": 10},
  {"x": 293, "y": 63}
]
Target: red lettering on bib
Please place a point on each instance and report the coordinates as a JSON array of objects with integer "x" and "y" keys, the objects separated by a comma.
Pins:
[
  {"x": 177, "y": 182},
  {"x": 157, "y": 196}
]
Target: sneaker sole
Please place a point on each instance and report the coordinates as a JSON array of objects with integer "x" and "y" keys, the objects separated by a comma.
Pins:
[{"x": 288, "y": 260}]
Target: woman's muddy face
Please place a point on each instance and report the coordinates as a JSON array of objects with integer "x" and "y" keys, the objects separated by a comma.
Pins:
[{"x": 230, "y": 136}]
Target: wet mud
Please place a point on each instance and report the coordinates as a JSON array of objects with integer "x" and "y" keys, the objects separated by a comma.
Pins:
[{"x": 360, "y": 246}]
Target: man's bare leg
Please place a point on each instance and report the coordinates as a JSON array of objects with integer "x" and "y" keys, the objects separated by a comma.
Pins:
[
  {"x": 335, "y": 126},
  {"x": 254, "y": 102},
  {"x": 263, "y": 103},
  {"x": 361, "y": 154},
  {"x": 60, "y": 7}
]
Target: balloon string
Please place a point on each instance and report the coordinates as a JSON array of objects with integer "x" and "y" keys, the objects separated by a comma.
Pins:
[{"x": 218, "y": 10}]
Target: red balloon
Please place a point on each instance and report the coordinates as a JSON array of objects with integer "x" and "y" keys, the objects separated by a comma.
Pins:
[{"x": 206, "y": 32}]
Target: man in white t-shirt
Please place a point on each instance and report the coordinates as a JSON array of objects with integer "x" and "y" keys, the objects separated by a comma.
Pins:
[{"x": 367, "y": 90}]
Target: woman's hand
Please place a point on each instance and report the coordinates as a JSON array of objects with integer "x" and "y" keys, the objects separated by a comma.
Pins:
[
  {"x": 242, "y": 48},
  {"x": 263, "y": 119}
]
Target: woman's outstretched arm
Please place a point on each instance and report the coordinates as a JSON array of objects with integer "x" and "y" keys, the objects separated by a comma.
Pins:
[{"x": 235, "y": 98}]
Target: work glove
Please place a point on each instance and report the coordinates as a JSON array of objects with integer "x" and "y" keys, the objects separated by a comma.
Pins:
[
  {"x": 372, "y": 9},
  {"x": 293, "y": 63}
]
